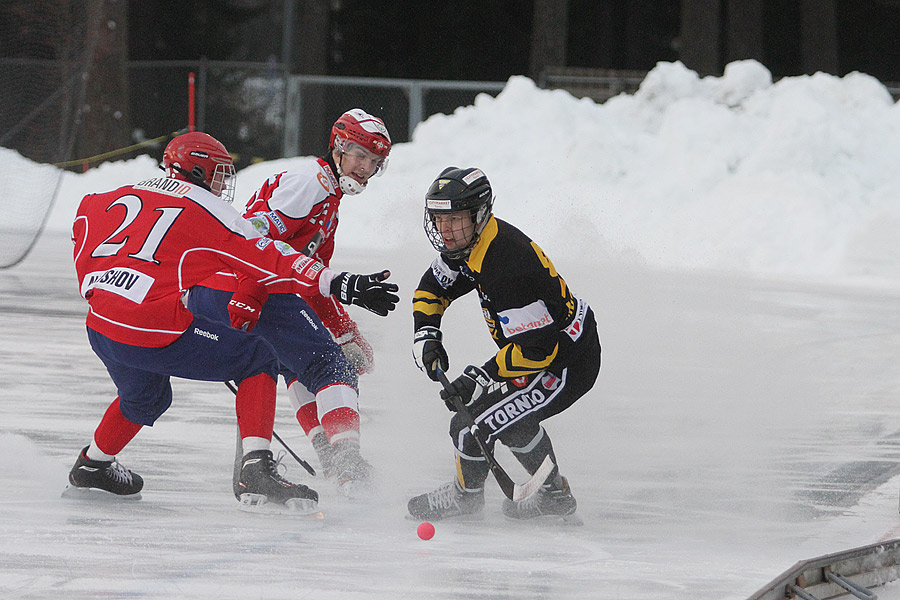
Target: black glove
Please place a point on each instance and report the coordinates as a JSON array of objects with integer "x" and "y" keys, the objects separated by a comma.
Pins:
[
  {"x": 468, "y": 387},
  {"x": 428, "y": 351},
  {"x": 368, "y": 291}
]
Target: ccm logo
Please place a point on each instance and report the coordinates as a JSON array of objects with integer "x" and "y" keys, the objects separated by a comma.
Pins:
[{"x": 242, "y": 305}]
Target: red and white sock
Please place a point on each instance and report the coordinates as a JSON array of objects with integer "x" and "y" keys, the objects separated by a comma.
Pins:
[
  {"x": 334, "y": 410},
  {"x": 338, "y": 406},
  {"x": 304, "y": 405}
]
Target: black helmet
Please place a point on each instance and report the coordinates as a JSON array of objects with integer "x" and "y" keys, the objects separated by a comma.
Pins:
[{"x": 456, "y": 190}]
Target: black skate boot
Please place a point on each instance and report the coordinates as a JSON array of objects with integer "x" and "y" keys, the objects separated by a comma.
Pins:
[
  {"x": 551, "y": 500},
  {"x": 261, "y": 484},
  {"x": 104, "y": 476},
  {"x": 351, "y": 471},
  {"x": 446, "y": 502}
]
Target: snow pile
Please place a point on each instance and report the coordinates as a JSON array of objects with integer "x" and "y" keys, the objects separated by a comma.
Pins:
[{"x": 736, "y": 173}]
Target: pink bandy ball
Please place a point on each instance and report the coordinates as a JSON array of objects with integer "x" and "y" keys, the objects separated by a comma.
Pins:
[{"x": 425, "y": 530}]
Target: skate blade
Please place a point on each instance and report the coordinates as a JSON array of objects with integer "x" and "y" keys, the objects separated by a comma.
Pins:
[
  {"x": 297, "y": 507},
  {"x": 97, "y": 495},
  {"x": 476, "y": 517},
  {"x": 572, "y": 520}
]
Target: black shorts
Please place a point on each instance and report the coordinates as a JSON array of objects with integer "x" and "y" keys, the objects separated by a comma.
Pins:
[{"x": 514, "y": 414}]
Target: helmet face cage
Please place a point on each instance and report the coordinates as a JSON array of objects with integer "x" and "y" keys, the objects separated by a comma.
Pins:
[
  {"x": 223, "y": 180},
  {"x": 478, "y": 215},
  {"x": 457, "y": 190}
]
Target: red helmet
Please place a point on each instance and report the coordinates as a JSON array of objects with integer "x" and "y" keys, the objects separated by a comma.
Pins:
[
  {"x": 360, "y": 127},
  {"x": 202, "y": 160}
]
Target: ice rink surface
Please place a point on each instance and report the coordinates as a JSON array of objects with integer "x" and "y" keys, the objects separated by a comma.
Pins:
[
  {"x": 737, "y": 239},
  {"x": 738, "y": 425}
]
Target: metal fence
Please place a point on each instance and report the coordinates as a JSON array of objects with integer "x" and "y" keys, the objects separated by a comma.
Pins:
[
  {"x": 402, "y": 103},
  {"x": 256, "y": 109},
  {"x": 260, "y": 112}
]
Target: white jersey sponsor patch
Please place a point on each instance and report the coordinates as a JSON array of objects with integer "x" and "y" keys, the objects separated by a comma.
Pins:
[
  {"x": 443, "y": 273},
  {"x": 124, "y": 282},
  {"x": 528, "y": 318}
]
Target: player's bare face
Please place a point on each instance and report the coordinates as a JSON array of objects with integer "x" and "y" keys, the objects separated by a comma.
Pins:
[
  {"x": 456, "y": 228},
  {"x": 359, "y": 163}
]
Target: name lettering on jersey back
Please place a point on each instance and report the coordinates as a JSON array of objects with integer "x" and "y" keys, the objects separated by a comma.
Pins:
[
  {"x": 164, "y": 185},
  {"x": 528, "y": 318},
  {"x": 122, "y": 281}
]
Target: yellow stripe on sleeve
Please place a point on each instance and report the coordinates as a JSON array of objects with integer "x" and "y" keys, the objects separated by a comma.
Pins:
[{"x": 429, "y": 304}]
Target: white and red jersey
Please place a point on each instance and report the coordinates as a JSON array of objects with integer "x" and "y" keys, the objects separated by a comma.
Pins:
[
  {"x": 298, "y": 207},
  {"x": 138, "y": 248}
]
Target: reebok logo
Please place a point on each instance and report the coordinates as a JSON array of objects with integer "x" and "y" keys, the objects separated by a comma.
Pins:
[
  {"x": 206, "y": 334},
  {"x": 308, "y": 318}
]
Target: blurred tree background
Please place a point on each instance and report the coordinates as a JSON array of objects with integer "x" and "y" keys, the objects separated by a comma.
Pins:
[{"x": 128, "y": 96}]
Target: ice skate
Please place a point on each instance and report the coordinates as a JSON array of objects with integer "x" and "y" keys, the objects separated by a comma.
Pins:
[
  {"x": 102, "y": 477},
  {"x": 350, "y": 470},
  {"x": 261, "y": 486},
  {"x": 551, "y": 501},
  {"x": 447, "y": 501}
]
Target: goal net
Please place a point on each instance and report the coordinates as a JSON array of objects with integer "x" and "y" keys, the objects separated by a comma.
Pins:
[{"x": 46, "y": 49}]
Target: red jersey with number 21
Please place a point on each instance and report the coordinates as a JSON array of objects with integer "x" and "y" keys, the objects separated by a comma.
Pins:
[{"x": 138, "y": 248}]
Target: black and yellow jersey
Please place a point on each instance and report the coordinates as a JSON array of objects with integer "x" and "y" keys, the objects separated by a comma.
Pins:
[{"x": 532, "y": 315}]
